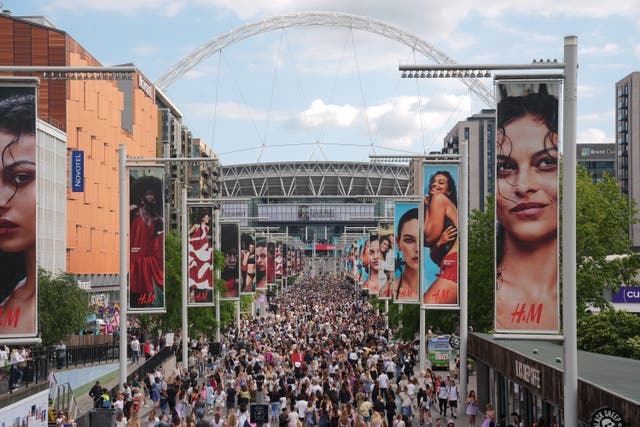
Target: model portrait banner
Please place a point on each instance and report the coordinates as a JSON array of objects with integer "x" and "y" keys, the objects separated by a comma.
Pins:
[
  {"x": 386, "y": 259},
  {"x": 247, "y": 262},
  {"x": 526, "y": 206},
  {"x": 440, "y": 236},
  {"x": 262, "y": 261},
  {"x": 406, "y": 285},
  {"x": 373, "y": 284},
  {"x": 18, "y": 203},
  {"x": 146, "y": 239},
  {"x": 278, "y": 260},
  {"x": 229, "y": 245},
  {"x": 200, "y": 256},
  {"x": 271, "y": 262},
  {"x": 285, "y": 255}
]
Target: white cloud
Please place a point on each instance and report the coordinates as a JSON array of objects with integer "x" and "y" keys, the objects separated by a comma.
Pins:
[
  {"x": 607, "y": 49},
  {"x": 233, "y": 111},
  {"x": 636, "y": 50},
  {"x": 321, "y": 114},
  {"x": 167, "y": 8},
  {"x": 145, "y": 49},
  {"x": 593, "y": 135},
  {"x": 607, "y": 116},
  {"x": 586, "y": 91}
]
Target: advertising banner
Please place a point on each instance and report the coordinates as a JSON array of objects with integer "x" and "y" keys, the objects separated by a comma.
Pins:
[
  {"x": 440, "y": 251},
  {"x": 373, "y": 284},
  {"x": 271, "y": 262},
  {"x": 285, "y": 257},
  {"x": 387, "y": 259},
  {"x": 526, "y": 206},
  {"x": 627, "y": 294},
  {"x": 18, "y": 200},
  {"x": 146, "y": 239},
  {"x": 278, "y": 260},
  {"x": 200, "y": 256},
  {"x": 406, "y": 285},
  {"x": 262, "y": 261},
  {"x": 248, "y": 262},
  {"x": 229, "y": 244}
]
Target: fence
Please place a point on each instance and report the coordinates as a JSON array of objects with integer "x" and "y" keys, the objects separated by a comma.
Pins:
[{"x": 43, "y": 361}]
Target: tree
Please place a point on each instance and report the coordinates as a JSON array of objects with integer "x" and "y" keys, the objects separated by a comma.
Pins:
[
  {"x": 63, "y": 307},
  {"x": 611, "y": 332},
  {"x": 480, "y": 280},
  {"x": 603, "y": 219}
]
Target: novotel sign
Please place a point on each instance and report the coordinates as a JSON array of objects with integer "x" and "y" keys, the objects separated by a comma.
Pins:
[{"x": 77, "y": 171}]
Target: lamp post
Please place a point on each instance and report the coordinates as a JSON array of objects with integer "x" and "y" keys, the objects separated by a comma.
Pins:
[
  {"x": 123, "y": 163},
  {"x": 569, "y": 68}
]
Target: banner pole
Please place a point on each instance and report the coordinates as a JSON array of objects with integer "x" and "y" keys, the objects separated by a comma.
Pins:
[
  {"x": 569, "y": 306},
  {"x": 463, "y": 215},
  {"x": 185, "y": 281},
  {"x": 124, "y": 268}
]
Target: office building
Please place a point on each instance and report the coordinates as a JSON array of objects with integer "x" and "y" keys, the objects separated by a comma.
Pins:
[{"x": 627, "y": 99}]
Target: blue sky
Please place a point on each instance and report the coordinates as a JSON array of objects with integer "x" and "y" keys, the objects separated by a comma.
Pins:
[{"x": 326, "y": 91}]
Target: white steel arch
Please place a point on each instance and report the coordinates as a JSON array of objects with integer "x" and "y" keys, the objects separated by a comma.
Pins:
[{"x": 331, "y": 19}]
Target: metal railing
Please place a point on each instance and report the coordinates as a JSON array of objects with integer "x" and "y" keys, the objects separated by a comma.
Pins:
[{"x": 15, "y": 375}]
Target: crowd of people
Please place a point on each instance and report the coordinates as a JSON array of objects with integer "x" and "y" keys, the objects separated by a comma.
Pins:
[{"x": 323, "y": 357}]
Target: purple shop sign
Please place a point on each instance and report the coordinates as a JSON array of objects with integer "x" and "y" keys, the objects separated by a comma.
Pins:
[{"x": 627, "y": 294}]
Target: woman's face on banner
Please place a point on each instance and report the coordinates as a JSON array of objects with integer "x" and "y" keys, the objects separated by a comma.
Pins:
[
  {"x": 374, "y": 255},
  {"x": 439, "y": 185},
  {"x": 527, "y": 172},
  {"x": 17, "y": 193},
  {"x": 408, "y": 243}
]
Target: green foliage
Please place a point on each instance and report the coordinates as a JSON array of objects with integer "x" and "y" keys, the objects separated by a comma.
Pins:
[
  {"x": 611, "y": 332},
  {"x": 480, "y": 266},
  {"x": 63, "y": 307},
  {"x": 603, "y": 219}
]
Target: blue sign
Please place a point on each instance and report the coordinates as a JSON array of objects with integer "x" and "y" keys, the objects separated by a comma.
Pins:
[
  {"x": 627, "y": 294},
  {"x": 77, "y": 171}
]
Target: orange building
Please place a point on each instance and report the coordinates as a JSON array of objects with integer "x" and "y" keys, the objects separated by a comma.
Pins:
[{"x": 97, "y": 116}]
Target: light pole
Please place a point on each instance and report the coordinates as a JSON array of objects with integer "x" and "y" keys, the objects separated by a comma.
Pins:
[
  {"x": 123, "y": 163},
  {"x": 569, "y": 68}
]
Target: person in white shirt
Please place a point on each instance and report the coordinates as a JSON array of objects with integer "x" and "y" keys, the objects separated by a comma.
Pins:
[
  {"x": 301, "y": 407},
  {"x": 383, "y": 383},
  {"x": 135, "y": 349},
  {"x": 453, "y": 398}
]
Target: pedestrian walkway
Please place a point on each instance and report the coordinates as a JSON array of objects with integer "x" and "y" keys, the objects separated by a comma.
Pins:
[{"x": 85, "y": 402}]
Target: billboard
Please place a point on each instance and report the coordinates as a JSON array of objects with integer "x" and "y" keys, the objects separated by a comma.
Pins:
[
  {"x": 387, "y": 258},
  {"x": 18, "y": 200},
  {"x": 229, "y": 243},
  {"x": 440, "y": 239},
  {"x": 406, "y": 285},
  {"x": 262, "y": 260},
  {"x": 271, "y": 262},
  {"x": 373, "y": 284},
  {"x": 248, "y": 262},
  {"x": 526, "y": 206},
  {"x": 278, "y": 260},
  {"x": 146, "y": 239},
  {"x": 200, "y": 256}
]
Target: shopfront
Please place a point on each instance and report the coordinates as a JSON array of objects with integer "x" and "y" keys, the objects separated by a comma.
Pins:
[{"x": 526, "y": 377}]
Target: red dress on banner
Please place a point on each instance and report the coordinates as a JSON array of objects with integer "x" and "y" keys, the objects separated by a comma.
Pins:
[
  {"x": 200, "y": 259},
  {"x": 278, "y": 263},
  {"x": 147, "y": 257}
]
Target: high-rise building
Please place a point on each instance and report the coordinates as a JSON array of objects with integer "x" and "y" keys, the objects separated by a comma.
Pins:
[
  {"x": 597, "y": 159},
  {"x": 96, "y": 116},
  {"x": 479, "y": 131},
  {"x": 175, "y": 140},
  {"x": 627, "y": 98}
]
